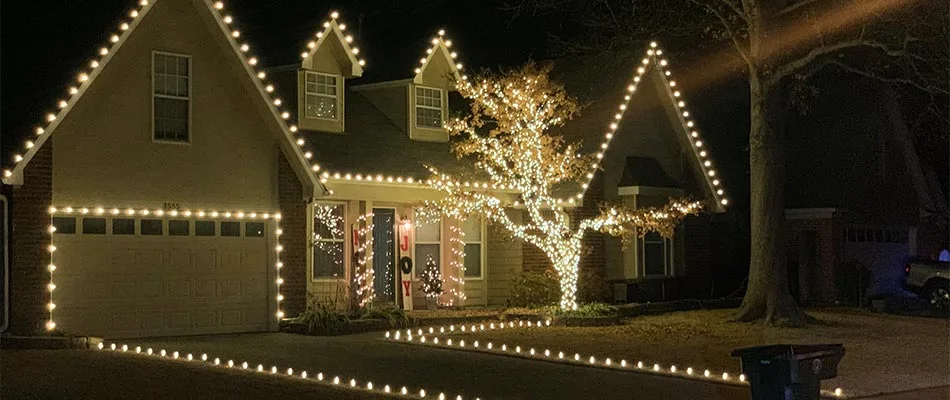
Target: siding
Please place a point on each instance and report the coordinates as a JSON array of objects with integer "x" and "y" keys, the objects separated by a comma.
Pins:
[{"x": 505, "y": 257}]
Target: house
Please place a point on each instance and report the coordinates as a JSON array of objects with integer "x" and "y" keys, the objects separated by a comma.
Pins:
[
  {"x": 871, "y": 204},
  {"x": 183, "y": 188}
]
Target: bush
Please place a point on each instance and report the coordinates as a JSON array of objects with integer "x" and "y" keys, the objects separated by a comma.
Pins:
[
  {"x": 533, "y": 289},
  {"x": 396, "y": 317},
  {"x": 592, "y": 287},
  {"x": 583, "y": 310},
  {"x": 324, "y": 319}
]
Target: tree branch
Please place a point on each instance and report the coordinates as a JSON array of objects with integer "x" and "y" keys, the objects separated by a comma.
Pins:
[
  {"x": 733, "y": 34},
  {"x": 795, "y": 65}
]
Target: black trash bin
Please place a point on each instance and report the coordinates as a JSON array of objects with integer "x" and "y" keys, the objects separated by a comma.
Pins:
[{"x": 789, "y": 372}]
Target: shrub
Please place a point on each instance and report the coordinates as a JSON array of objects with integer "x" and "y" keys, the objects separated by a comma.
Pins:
[
  {"x": 592, "y": 287},
  {"x": 324, "y": 319},
  {"x": 583, "y": 310},
  {"x": 396, "y": 317},
  {"x": 533, "y": 289}
]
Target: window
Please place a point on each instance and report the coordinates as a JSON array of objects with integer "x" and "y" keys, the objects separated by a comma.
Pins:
[
  {"x": 328, "y": 240},
  {"x": 64, "y": 225},
  {"x": 428, "y": 107},
  {"x": 178, "y": 227},
  {"x": 428, "y": 242},
  {"x": 121, "y": 226},
  {"x": 93, "y": 226},
  {"x": 472, "y": 228},
  {"x": 657, "y": 255},
  {"x": 204, "y": 228},
  {"x": 254, "y": 229},
  {"x": 321, "y": 95},
  {"x": 230, "y": 228},
  {"x": 171, "y": 97},
  {"x": 150, "y": 227}
]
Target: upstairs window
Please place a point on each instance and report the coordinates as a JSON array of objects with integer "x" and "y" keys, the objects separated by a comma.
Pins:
[
  {"x": 428, "y": 107},
  {"x": 171, "y": 97},
  {"x": 321, "y": 96}
]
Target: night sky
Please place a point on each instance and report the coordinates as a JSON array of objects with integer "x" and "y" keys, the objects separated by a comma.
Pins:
[{"x": 44, "y": 41}]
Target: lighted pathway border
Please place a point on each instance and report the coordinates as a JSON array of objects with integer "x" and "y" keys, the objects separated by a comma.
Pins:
[
  {"x": 319, "y": 378},
  {"x": 418, "y": 337}
]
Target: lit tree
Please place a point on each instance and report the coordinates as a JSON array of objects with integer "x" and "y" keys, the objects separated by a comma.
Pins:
[
  {"x": 506, "y": 134},
  {"x": 780, "y": 46}
]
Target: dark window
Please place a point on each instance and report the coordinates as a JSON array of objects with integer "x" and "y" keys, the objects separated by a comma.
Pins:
[
  {"x": 64, "y": 224},
  {"x": 878, "y": 235},
  {"x": 123, "y": 226},
  {"x": 852, "y": 235},
  {"x": 230, "y": 228},
  {"x": 254, "y": 229},
  {"x": 904, "y": 238},
  {"x": 151, "y": 227},
  {"x": 473, "y": 260},
  {"x": 94, "y": 226},
  {"x": 178, "y": 227},
  {"x": 654, "y": 259},
  {"x": 204, "y": 228}
]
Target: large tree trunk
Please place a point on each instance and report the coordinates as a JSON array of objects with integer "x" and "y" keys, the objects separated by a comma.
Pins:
[{"x": 767, "y": 297}]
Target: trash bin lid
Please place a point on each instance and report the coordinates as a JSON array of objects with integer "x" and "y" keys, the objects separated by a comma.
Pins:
[{"x": 789, "y": 351}]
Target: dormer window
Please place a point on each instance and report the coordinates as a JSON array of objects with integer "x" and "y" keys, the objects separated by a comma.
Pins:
[
  {"x": 428, "y": 107},
  {"x": 322, "y": 94}
]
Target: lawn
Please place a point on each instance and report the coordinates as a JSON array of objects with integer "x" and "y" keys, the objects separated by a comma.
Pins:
[{"x": 884, "y": 353}]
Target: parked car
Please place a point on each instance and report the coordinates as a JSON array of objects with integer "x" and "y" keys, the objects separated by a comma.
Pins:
[{"x": 931, "y": 280}]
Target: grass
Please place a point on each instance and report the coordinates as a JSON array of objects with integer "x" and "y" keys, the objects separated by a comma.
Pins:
[{"x": 883, "y": 353}]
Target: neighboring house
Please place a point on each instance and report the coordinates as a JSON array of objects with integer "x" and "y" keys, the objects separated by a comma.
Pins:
[
  {"x": 184, "y": 195},
  {"x": 870, "y": 204}
]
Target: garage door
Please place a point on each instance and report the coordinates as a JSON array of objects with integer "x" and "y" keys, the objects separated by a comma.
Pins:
[{"x": 134, "y": 277}]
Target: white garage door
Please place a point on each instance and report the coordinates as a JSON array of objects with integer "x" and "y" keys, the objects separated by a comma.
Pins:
[{"x": 134, "y": 277}]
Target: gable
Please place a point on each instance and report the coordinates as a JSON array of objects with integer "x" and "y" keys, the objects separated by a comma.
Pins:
[
  {"x": 211, "y": 19},
  {"x": 438, "y": 67},
  {"x": 666, "y": 115},
  {"x": 331, "y": 52}
]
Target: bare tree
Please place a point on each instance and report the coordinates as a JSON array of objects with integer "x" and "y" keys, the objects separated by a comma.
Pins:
[{"x": 778, "y": 44}]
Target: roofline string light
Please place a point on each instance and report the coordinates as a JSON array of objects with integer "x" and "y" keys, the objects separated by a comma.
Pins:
[
  {"x": 126, "y": 212},
  {"x": 333, "y": 25},
  {"x": 85, "y": 79},
  {"x": 319, "y": 378},
  {"x": 654, "y": 57},
  {"x": 326, "y": 176},
  {"x": 431, "y": 337},
  {"x": 446, "y": 44}
]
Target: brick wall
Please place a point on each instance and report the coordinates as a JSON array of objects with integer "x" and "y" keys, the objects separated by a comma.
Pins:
[
  {"x": 293, "y": 210},
  {"x": 28, "y": 245}
]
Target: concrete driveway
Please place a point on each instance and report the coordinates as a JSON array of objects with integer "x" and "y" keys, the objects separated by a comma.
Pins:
[{"x": 368, "y": 357}]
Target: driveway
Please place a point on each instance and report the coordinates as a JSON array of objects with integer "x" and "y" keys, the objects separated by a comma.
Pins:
[{"x": 368, "y": 357}]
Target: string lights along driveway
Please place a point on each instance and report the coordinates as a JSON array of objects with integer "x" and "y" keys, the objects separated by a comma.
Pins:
[
  {"x": 288, "y": 373},
  {"x": 418, "y": 337}
]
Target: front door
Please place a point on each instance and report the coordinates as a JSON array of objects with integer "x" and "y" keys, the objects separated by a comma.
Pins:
[{"x": 384, "y": 254}]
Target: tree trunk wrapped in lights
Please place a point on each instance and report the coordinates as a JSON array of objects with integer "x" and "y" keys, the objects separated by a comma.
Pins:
[{"x": 506, "y": 134}]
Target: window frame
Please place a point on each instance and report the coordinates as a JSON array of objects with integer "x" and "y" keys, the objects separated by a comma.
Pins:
[
  {"x": 416, "y": 106},
  {"x": 313, "y": 256},
  {"x": 669, "y": 254},
  {"x": 336, "y": 98},
  {"x": 419, "y": 264},
  {"x": 153, "y": 95},
  {"x": 482, "y": 238}
]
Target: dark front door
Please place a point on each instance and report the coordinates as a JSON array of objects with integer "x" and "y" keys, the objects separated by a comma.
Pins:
[{"x": 384, "y": 254}]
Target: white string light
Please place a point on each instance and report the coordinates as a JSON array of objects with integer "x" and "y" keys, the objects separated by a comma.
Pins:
[
  {"x": 522, "y": 105},
  {"x": 352, "y": 383},
  {"x": 440, "y": 42},
  {"x": 100, "y": 211}
]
